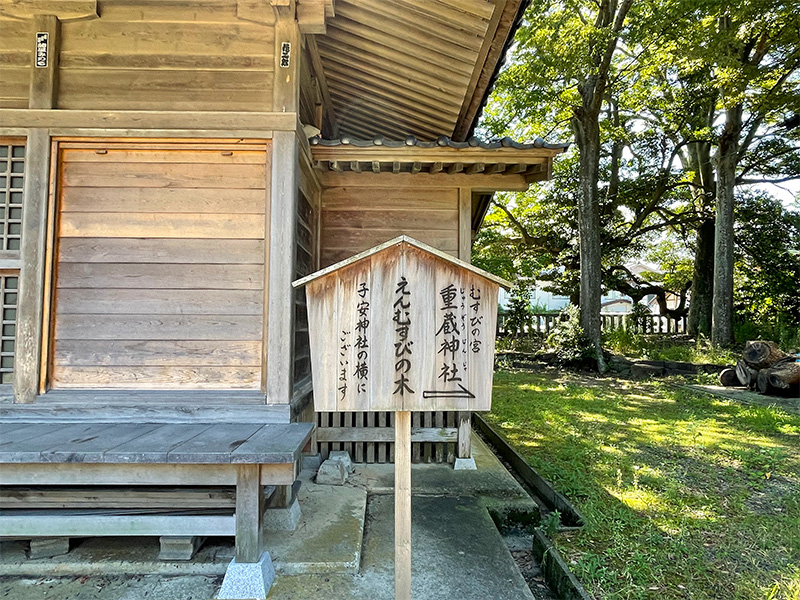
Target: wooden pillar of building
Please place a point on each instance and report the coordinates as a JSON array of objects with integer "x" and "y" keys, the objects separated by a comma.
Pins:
[
  {"x": 33, "y": 244},
  {"x": 282, "y": 216},
  {"x": 464, "y": 443}
]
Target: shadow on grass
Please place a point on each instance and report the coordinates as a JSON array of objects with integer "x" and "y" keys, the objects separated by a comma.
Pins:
[{"x": 684, "y": 495}]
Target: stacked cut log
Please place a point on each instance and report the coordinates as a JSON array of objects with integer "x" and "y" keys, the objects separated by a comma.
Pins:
[{"x": 766, "y": 368}]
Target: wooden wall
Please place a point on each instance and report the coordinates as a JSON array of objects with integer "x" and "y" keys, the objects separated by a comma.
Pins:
[
  {"x": 16, "y": 56},
  {"x": 357, "y": 218},
  {"x": 145, "y": 55},
  {"x": 160, "y": 266}
]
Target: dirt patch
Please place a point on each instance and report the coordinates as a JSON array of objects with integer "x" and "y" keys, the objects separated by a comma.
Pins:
[
  {"x": 745, "y": 396},
  {"x": 775, "y": 497},
  {"x": 532, "y": 573}
]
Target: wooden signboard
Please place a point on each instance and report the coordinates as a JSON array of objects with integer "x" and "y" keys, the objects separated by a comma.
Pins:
[{"x": 402, "y": 327}]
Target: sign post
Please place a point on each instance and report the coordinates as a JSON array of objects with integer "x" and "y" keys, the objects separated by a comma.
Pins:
[
  {"x": 402, "y": 505},
  {"x": 402, "y": 327}
]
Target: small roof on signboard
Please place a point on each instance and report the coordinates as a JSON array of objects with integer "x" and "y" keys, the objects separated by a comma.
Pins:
[{"x": 396, "y": 241}]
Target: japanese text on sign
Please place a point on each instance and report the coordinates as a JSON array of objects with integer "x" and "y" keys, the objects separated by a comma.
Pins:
[{"x": 42, "y": 49}]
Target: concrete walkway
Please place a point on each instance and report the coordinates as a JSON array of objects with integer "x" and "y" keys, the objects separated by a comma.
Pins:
[{"x": 342, "y": 549}]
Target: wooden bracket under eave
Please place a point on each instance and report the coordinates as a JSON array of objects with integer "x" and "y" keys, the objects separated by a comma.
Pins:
[
  {"x": 63, "y": 10},
  {"x": 312, "y": 15}
]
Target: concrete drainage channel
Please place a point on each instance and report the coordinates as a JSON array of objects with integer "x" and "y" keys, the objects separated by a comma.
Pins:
[{"x": 555, "y": 570}]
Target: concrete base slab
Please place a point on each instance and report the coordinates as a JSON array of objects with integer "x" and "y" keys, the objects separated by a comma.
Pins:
[
  {"x": 329, "y": 534},
  {"x": 282, "y": 519},
  {"x": 456, "y": 552},
  {"x": 491, "y": 480},
  {"x": 110, "y": 556},
  {"x": 465, "y": 464},
  {"x": 248, "y": 581},
  {"x": 119, "y": 587},
  {"x": 48, "y": 547},
  {"x": 179, "y": 547}
]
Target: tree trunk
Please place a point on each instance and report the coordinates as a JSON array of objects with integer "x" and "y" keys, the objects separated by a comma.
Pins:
[
  {"x": 784, "y": 376},
  {"x": 727, "y": 159},
  {"x": 762, "y": 382},
  {"x": 760, "y": 354},
  {"x": 728, "y": 378},
  {"x": 700, "y": 307},
  {"x": 704, "y": 191},
  {"x": 746, "y": 374},
  {"x": 587, "y": 135}
]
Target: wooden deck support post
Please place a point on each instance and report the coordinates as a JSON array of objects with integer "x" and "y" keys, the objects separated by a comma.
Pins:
[
  {"x": 249, "y": 511},
  {"x": 402, "y": 505}
]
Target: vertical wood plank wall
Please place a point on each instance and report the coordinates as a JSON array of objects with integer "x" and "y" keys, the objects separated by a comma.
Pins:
[
  {"x": 355, "y": 219},
  {"x": 160, "y": 266}
]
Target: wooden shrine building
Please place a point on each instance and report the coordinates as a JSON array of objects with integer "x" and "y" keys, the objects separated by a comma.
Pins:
[
  {"x": 160, "y": 192},
  {"x": 162, "y": 183}
]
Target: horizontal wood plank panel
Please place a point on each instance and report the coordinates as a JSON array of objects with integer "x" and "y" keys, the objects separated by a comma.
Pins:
[
  {"x": 142, "y": 89},
  {"x": 160, "y": 276},
  {"x": 212, "y": 11},
  {"x": 238, "y": 63},
  {"x": 357, "y": 218},
  {"x": 166, "y": 38},
  {"x": 173, "y": 155},
  {"x": 15, "y": 83},
  {"x": 373, "y": 219},
  {"x": 168, "y": 200},
  {"x": 194, "y": 301},
  {"x": 160, "y": 281},
  {"x": 170, "y": 175},
  {"x": 340, "y": 238},
  {"x": 216, "y": 353},
  {"x": 158, "y": 327},
  {"x": 163, "y": 225},
  {"x": 399, "y": 198},
  {"x": 167, "y": 56},
  {"x": 161, "y": 250},
  {"x": 158, "y": 377}
]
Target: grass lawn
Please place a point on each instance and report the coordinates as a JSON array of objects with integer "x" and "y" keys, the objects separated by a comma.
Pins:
[{"x": 684, "y": 495}]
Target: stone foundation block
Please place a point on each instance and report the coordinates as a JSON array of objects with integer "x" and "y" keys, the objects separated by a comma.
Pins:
[
  {"x": 343, "y": 457},
  {"x": 282, "y": 519},
  {"x": 179, "y": 547},
  {"x": 331, "y": 472},
  {"x": 251, "y": 581},
  {"x": 47, "y": 547},
  {"x": 465, "y": 464}
]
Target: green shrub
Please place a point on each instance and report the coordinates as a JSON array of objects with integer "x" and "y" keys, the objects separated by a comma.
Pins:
[{"x": 568, "y": 340}]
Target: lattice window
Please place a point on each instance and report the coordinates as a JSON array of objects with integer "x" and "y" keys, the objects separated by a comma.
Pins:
[
  {"x": 12, "y": 177},
  {"x": 304, "y": 265},
  {"x": 8, "y": 297},
  {"x": 12, "y": 174}
]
